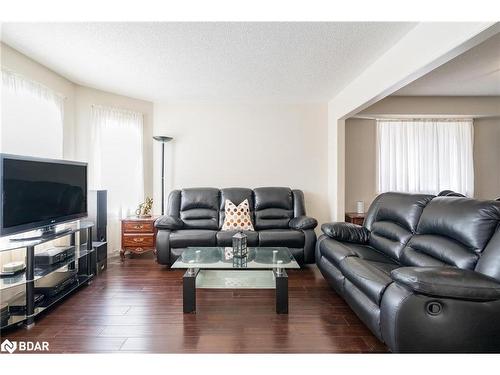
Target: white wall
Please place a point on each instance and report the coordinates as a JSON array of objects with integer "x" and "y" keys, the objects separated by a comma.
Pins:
[
  {"x": 21, "y": 64},
  {"x": 246, "y": 145},
  {"x": 77, "y": 104},
  {"x": 85, "y": 97}
]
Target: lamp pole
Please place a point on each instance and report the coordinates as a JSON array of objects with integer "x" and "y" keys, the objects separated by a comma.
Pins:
[{"x": 163, "y": 139}]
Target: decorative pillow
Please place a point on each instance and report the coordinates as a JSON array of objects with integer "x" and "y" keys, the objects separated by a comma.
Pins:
[{"x": 237, "y": 218}]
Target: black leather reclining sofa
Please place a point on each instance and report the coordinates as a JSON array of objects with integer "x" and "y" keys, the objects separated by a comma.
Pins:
[
  {"x": 423, "y": 272},
  {"x": 195, "y": 218}
]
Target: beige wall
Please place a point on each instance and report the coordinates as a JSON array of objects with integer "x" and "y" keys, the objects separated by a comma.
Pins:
[
  {"x": 487, "y": 157},
  {"x": 361, "y": 141},
  {"x": 360, "y": 162},
  {"x": 470, "y": 106},
  {"x": 247, "y": 145}
]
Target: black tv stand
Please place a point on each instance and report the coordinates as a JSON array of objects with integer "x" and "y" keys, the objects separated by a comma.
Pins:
[
  {"x": 40, "y": 234},
  {"x": 83, "y": 262}
]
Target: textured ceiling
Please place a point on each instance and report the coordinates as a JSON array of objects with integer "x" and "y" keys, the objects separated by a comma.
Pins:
[
  {"x": 476, "y": 72},
  {"x": 206, "y": 61}
]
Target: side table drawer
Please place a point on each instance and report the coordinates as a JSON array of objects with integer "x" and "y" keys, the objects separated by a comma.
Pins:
[
  {"x": 137, "y": 227},
  {"x": 138, "y": 240}
]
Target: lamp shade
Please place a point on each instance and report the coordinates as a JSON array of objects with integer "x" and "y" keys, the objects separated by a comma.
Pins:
[{"x": 162, "y": 138}]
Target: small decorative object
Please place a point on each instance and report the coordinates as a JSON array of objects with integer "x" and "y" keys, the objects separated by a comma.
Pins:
[
  {"x": 240, "y": 249},
  {"x": 360, "y": 207},
  {"x": 144, "y": 209},
  {"x": 13, "y": 268}
]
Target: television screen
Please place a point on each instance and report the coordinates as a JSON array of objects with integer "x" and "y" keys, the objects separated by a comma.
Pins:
[{"x": 41, "y": 192}]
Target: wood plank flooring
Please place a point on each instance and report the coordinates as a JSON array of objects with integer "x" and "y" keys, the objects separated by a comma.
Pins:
[{"x": 136, "y": 306}]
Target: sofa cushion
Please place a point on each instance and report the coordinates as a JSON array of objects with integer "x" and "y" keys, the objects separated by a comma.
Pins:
[
  {"x": 401, "y": 208},
  {"x": 225, "y": 238},
  {"x": 471, "y": 222},
  {"x": 273, "y": 207},
  {"x": 368, "y": 276},
  {"x": 392, "y": 219},
  {"x": 199, "y": 208},
  {"x": 432, "y": 250},
  {"x": 452, "y": 231},
  {"x": 192, "y": 237},
  {"x": 389, "y": 238},
  {"x": 281, "y": 237}
]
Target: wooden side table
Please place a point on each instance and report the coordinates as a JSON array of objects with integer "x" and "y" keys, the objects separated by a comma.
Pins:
[
  {"x": 138, "y": 235},
  {"x": 355, "y": 218}
]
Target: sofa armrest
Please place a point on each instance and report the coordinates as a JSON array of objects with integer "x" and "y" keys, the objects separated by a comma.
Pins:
[
  {"x": 346, "y": 232},
  {"x": 448, "y": 282},
  {"x": 303, "y": 223},
  {"x": 169, "y": 222}
]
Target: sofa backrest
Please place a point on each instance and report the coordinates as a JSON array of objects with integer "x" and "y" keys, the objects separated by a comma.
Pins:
[
  {"x": 199, "y": 208},
  {"x": 452, "y": 231},
  {"x": 273, "y": 207},
  {"x": 235, "y": 195},
  {"x": 392, "y": 219},
  {"x": 489, "y": 262},
  {"x": 204, "y": 208}
]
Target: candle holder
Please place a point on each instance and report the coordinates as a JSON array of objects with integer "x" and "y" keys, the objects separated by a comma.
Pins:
[{"x": 240, "y": 249}]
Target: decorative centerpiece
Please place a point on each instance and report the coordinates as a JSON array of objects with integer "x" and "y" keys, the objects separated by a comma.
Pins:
[
  {"x": 240, "y": 250},
  {"x": 144, "y": 209}
]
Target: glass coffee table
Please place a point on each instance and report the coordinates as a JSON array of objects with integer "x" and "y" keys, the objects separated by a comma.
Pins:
[{"x": 215, "y": 267}]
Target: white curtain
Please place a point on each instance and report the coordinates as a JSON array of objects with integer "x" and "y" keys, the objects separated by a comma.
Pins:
[
  {"x": 32, "y": 118},
  {"x": 425, "y": 156},
  {"x": 116, "y": 163}
]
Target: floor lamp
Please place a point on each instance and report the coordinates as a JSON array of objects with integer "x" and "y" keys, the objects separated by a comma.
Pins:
[{"x": 163, "y": 139}]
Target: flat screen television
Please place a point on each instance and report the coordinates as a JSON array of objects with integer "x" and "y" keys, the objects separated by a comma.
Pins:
[{"x": 39, "y": 193}]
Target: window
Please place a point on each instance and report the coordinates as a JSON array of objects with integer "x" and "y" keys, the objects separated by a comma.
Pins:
[
  {"x": 116, "y": 163},
  {"x": 425, "y": 156},
  {"x": 32, "y": 118}
]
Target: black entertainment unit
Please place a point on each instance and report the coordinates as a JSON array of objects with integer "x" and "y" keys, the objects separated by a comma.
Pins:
[
  {"x": 50, "y": 275},
  {"x": 41, "y": 199}
]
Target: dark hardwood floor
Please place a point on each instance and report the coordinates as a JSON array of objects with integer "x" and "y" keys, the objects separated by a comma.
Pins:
[{"x": 136, "y": 306}]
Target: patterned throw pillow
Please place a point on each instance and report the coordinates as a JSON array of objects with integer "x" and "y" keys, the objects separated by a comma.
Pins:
[{"x": 237, "y": 218}]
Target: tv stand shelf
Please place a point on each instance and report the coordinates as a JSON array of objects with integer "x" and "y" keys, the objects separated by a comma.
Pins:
[{"x": 83, "y": 262}]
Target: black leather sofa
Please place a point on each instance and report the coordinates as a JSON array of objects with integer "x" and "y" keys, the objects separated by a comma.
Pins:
[
  {"x": 423, "y": 272},
  {"x": 195, "y": 217}
]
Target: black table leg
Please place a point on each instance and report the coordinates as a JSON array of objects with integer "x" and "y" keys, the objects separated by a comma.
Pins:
[
  {"x": 30, "y": 287},
  {"x": 281, "y": 291},
  {"x": 189, "y": 290}
]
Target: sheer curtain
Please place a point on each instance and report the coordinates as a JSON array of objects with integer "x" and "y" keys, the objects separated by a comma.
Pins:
[
  {"x": 116, "y": 163},
  {"x": 32, "y": 118},
  {"x": 425, "y": 156}
]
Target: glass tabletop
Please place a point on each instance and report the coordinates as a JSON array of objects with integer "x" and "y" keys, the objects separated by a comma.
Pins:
[{"x": 222, "y": 258}]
